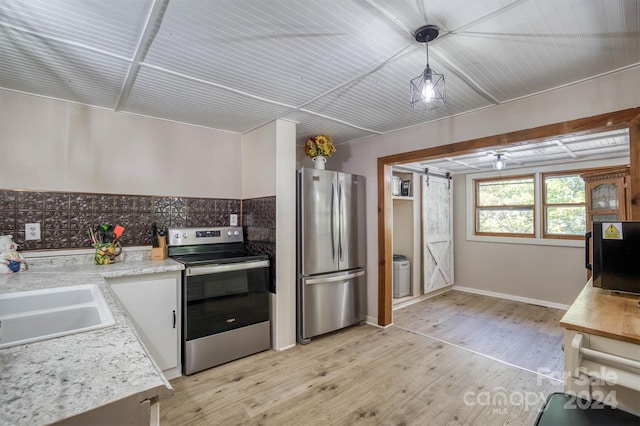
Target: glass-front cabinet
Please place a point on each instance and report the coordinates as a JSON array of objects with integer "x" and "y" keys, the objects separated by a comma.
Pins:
[{"x": 607, "y": 195}]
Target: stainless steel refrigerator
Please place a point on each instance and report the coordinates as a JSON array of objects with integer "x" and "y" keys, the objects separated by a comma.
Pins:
[{"x": 331, "y": 241}]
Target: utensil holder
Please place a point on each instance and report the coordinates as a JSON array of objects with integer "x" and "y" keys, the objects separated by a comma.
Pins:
[
  {"x": 160, "y": 253},
  {"x": 106, "y": 253}
]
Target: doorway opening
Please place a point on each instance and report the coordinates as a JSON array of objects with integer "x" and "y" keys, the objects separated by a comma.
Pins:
[{"x": 629, "y": 119}]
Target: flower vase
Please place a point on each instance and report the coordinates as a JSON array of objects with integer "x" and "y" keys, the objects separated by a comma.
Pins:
[{"x": 318, "y": 162}]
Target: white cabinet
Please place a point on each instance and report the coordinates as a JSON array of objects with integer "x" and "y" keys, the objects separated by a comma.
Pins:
[
  {"x": 602, "y": 369},
  {"x": 152, "y": 303},
  {"x": 128, "y": 411}
]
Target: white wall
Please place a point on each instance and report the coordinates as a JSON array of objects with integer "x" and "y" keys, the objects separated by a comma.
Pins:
[
  {"x": 605, "y": 94},
  {"x": 556, "y": 272},
  {"x": 269, "y": 164},
  {"x": 259, "y": 149},
  {"x": 286, "y": 235},
  {"x": 544, "y": 273},
  {"x": 60, "y": 146}
]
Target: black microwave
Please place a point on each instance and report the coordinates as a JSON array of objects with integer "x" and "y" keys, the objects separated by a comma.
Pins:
[{"x": 615, "y": 253}]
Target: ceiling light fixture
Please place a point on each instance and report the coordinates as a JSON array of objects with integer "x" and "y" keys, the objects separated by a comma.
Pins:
[
  {"x": 499, "y": 162},
  {"x": 427, "y": 89}
]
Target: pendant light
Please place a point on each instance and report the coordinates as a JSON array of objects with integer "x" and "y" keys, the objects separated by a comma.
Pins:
[
  {"x": 499, "y": 163},
  {"x": 427, "y": 89}
]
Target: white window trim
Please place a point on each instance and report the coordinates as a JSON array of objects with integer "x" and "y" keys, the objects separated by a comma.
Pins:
[{"x": 537, "y": 172}]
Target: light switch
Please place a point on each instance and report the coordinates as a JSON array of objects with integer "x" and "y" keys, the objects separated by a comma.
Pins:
[
  {"x": 32, "y": 231},
  {"x": 233, "y": 220}
]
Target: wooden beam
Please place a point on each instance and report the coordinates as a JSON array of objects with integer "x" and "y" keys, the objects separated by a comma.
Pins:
[
  {"x": 385, "y": 235},
  {"x": 598, "y": 123},
  {"x": 628, "y": 118},
  {"x": 634, "y": 154}
]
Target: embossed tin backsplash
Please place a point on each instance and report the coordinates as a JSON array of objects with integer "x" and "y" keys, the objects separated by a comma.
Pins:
[
  {"x": 65, "y": 217},
  {"x": 259, "y": 221}
]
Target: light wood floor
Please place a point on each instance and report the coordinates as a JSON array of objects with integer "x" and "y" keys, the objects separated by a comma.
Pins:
[
  {"x": 515, "y": 332},
  {"x": 394, "y": 376}
]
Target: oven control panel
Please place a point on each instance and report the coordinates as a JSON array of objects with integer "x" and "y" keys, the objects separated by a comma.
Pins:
[{"x": 191, "y": 236}]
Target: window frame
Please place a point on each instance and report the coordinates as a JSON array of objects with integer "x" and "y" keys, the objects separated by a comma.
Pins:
[
  {"x": 469, "y": 199},
  {"x": 544, "y": 204},
  {"x": 476, "y": 207}
]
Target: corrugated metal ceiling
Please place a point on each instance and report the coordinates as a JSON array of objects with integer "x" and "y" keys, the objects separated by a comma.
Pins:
[
  {"x": 609, "y": 144},
  {"x": 340, "y": 67}
]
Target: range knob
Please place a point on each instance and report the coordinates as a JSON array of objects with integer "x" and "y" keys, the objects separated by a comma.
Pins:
[
  {"x": 229, "y": 233},
  {"x": 236, "y": 233},
  {"x": 177, "y": 235},
  {"x": 186, "y": 234}
]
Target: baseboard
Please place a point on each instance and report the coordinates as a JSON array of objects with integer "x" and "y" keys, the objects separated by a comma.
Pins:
[
  {"x": 373, "y": 321},
  {"x": 284, "y": 348},
  {"x": 538, "y": 302},
  {"x": 421, "y": 298},
  {"x": 172, "y": 373}
]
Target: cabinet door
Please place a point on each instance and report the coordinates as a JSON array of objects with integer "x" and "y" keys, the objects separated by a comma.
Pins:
[
  {"x": 606, "y": 200},
  {"x": 152, "y": 306}
]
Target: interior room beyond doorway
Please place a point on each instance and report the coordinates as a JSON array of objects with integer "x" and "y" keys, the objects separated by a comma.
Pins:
[{"x": 617, "y": 120}]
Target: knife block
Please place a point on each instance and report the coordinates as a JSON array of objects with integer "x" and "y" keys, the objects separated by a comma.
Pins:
[{"x": 160, "y": 253}]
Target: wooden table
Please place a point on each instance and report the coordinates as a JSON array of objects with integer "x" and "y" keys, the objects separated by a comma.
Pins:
[
  {"x": 602, "y": 348},
  {"x": 604, "y": 313}
]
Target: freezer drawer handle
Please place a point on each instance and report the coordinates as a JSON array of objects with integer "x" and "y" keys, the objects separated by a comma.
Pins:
[
  {"x": 333, "y": 279},
  {"x": 230, "y": 267}
]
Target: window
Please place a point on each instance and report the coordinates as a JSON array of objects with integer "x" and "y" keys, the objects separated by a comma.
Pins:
[
  {"x": 506, "y": 206},
  {"x": 564, "y": 209}
]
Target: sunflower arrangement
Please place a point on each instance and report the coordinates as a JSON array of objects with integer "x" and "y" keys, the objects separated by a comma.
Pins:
[{"x": 319, "y": 145}]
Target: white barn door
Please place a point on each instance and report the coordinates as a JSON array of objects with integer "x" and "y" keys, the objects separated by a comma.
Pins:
[{"x": 437, "y": 220}]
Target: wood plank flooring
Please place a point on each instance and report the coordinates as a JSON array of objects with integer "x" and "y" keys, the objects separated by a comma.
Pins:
[
  {"x": 522, "y": 334},
  {"x": 366, "y": 375}
]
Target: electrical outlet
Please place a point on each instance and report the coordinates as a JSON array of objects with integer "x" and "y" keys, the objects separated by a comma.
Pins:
[
  {"x": 32, "y": 231},
  {"x": 233, "y": 220}
]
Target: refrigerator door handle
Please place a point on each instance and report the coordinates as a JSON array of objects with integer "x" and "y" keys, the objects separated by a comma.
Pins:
[
  {"x": 333, "y": 242},
  {"x": 341, "y": 202},
  {"x": 335, "y": 221},
  {"x": 347, "y": 276},
  {"x": 333, "y": 226}
]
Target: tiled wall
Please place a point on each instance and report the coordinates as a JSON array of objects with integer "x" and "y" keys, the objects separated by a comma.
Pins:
[
  {"x": 259, "y": 221},
  {"x": 65, "y": 217}
]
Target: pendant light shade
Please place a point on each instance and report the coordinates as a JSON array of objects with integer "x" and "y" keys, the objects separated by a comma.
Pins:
[
  {"x": 498, "y": 163},
  {"x": 427, "y": 89}
]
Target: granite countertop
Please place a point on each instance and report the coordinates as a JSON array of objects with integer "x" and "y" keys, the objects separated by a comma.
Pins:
[
  {"x": 47, "y": 381},
  {"x": 605, "y": 313}
]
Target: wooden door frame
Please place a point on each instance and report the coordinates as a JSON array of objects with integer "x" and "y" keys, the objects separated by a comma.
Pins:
[{"x": 628, "y": 118}]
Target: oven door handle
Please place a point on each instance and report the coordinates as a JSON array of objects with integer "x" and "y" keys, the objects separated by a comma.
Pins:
[{"x": 229, "y": 267}]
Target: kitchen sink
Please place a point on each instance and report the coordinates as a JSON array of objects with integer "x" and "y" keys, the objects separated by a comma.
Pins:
[{"x": 30, "y": 316}]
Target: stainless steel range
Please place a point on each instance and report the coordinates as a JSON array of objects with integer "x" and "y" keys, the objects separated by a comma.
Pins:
[{"x": 225, "y": 297}]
